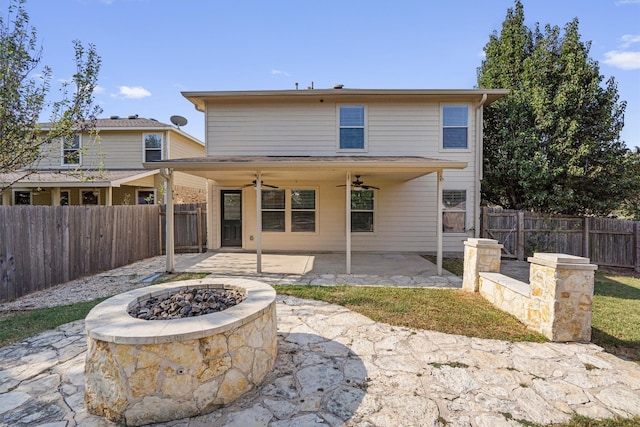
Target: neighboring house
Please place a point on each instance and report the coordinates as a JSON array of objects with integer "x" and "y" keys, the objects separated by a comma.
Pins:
[
  {"x": 411, "y": 158},
  {"x": 108, "y": 170}
]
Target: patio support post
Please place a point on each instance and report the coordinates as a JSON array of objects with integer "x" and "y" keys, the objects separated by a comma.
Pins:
[
  {"x": 348, "y": 222},
  {"x": 109, "y": 196},
  {"x": 258, "y": 222},
  {"x": 55, "y": 196},
  {"x": 439, "y": 224},
  {"x": 168, "y": 201}
]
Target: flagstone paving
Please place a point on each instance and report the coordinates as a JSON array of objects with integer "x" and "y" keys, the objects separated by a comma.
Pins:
[{"x": 336, "y": 367}]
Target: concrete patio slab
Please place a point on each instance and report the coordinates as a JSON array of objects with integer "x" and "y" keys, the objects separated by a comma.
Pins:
[{"x": 244, "y": 263}]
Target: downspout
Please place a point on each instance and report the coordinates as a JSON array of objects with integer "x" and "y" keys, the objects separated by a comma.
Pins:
[
  {"x": 479, "y": 162},
  {"x": 167, "y": 174}
]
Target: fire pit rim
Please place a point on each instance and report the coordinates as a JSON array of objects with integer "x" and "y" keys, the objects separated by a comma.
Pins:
[{"x": 110, "y": 320}]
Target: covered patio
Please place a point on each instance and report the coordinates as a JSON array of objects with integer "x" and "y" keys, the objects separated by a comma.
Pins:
[{"x": 237, "y": 172}]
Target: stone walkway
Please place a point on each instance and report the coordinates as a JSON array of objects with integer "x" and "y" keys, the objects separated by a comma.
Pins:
[{"x": 336, "y": 367}]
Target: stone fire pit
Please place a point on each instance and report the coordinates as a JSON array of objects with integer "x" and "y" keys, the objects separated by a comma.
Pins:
[{"x": 144, "y": 371}]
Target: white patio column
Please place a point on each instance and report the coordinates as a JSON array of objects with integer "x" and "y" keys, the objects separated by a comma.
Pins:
[
  {"x": 259, "y": 222},
  {"x": 439, "y": 224},
  {"x": 348, "y": 222},
  {"x": 169, "y": 228},
  {"x": 109, "y": 196},
  {"x": 55, "y": 196}
]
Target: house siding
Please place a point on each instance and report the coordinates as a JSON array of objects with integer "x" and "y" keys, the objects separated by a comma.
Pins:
[{"x": 405, "y": 215}]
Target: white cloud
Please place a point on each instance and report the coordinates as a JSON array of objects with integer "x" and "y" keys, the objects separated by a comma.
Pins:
[
  {"x": 135, "y": 92},
  {"x": 628, "y": 2},
  {"x": 621, "y": 59},
  {"x": 280, "y": 73},
  {"x": 98, "y": 90},
  {"x": 629, "y": 39}
]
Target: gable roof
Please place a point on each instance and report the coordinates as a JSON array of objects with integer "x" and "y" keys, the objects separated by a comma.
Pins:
[
  {"x": 117, "y": 123},
  {"x": 199, "y": 99}
]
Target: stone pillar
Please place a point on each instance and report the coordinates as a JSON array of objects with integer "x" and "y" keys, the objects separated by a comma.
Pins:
[
  {"x": 562, "y": 288},
  {"x": 480, "y": 255}
]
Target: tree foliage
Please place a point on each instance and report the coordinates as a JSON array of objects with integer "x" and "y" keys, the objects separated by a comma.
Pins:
[
  {"x": 553, "y": 144},
  {"x": 25, "y": 86}
]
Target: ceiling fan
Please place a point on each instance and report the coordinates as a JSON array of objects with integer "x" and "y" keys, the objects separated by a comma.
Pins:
[
  {"x": 262, "y": 184},
  {"x": 358, "y": 184}
]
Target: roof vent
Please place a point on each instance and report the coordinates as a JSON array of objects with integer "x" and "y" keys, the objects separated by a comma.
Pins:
[
  {"x": 135, "y": 116},
  {"x": 338, "y": 86},
  {"x": 114, "y": 117}
]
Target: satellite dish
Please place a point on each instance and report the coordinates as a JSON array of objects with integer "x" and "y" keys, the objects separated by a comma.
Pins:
[{"x": 178, "y": 121}]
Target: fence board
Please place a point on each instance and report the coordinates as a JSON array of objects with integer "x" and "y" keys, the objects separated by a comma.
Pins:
[
  {"x": 606, "y": 241},
  {"x": 42, "y": 246}
]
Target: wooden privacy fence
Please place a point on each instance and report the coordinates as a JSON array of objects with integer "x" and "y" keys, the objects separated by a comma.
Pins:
[
  {"x": 42, "y": 246},
  {"x": 605, "y": 241},
  {"x": 190, "y": 227}
]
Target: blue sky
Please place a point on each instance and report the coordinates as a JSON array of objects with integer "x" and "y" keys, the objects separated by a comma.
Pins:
[{"x": 153, "y": 49}]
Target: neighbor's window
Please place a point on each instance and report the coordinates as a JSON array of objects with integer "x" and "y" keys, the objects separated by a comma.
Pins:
[
  {"x": 71, "y": 154},
  {"x": 454, "y": 211},
  {"x": 273, "y": 209},
  {"x": 152, "y": 147},
  {"x": 303, "y": 210},
  {"x": 90, "y": 197},
  {"x": 455, "y": 127},
  {"x": 146, "y": 197},
  {"x": 65, "y": 197},
  {"x": 352, "y": 127},
  {"x": 22, "y": 197},
  {"x": 362, "y": 203}
]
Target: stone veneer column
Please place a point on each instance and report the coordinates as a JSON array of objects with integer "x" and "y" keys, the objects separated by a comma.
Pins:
[
  {"x": 562, "y": 289},
  {"x": 480, "y": 255}
]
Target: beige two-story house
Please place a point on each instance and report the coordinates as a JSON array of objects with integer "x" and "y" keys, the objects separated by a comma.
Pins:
[
  {"x": 106, "y": 168},
  {"x": 341, "y": 169}
]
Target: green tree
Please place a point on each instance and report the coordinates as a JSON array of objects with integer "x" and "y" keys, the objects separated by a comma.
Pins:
[
  {"x": 24, "y": 90},
  {"x": 553, "y": 144}
]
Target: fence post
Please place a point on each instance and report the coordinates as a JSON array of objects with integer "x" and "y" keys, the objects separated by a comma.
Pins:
[
  {"x": 636, "y": 239},
  {"x": 484, "y": 220},
  {"x": 199, "y": 219},
  {"x": 520, "y": 236},
  {"x": 586, "y": 229}
]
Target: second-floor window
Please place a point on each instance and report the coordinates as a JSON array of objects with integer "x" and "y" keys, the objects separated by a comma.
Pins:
[
  {"x": 71, "y": 154},
  {"x": 152, "y": 147},
  {"x": 352, "y": 127},
  {"x": 455, "y": 128}
]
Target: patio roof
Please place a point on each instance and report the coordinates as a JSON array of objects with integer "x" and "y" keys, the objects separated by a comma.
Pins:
[
  {"x": 327, "y": 167},
  {"x": 75, "y": 178}
]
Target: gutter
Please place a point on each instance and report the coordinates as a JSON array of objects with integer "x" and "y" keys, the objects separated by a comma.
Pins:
[{"x": 479, "y": 160}]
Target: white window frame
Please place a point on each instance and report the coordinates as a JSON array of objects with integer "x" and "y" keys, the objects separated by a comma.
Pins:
[
  {"x": 68, "y": 197},
  {"x": 365, "y": 127},
  {"x": 145, "y": 149},
  {"x": 283, "y": 210},
  {"x": 93, "y": 190},
  {"x": 288, "y": 211},
  {"x": 468, "y": 127},
  {"x": 291, "y": 210},
  {"x": 455, "y": 210},
  {"x": 373, "y": 212},
  {"x": 21, "y": 190},
  {"x": 152, "y": 190},
  {"x": 63, "y": 150}
]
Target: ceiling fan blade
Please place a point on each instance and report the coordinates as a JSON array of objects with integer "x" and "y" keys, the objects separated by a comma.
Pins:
[
  {"x": 262, "y": 184},
  {"x": 341, "y": 185}
]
